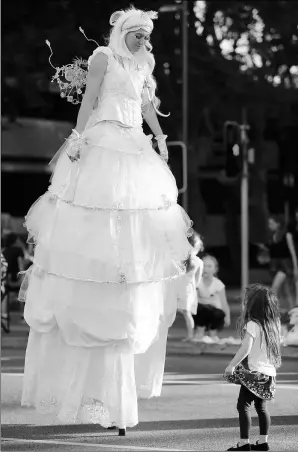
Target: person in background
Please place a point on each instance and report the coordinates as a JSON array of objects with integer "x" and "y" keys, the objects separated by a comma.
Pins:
[
  {"x": 4, "y": 311},
  {"x": 28, "y": 250},
  {"x": 28, "y": 256},
  {"x": 283, "y": 255},
  {"x": 188, "y": 300},
  {"x": 293, "y": 229},
  {"x": 14, "y": 256},
  {"x": 213, "y": 312}
]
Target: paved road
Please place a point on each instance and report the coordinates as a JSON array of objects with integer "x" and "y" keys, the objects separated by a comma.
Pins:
[{"x": 196, "y": 412}]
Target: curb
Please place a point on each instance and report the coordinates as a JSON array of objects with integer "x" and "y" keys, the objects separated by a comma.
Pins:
[
  {"x": 174, "y": 347},
  {"x": 188, "y": 349},
  {"x": 12, "y": 340}
]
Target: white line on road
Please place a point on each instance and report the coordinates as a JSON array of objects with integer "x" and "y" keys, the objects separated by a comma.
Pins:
[
  {"x": 12, "y": 374},
  {"x": 168, "y": 376},
  {"x": 289, "y": 386},
  {"x": 292, "y": 384},
  {"x": 98, "y": 446}
]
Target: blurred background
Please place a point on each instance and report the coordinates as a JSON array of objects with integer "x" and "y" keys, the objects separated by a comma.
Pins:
[{"x": 241, "y": 55}]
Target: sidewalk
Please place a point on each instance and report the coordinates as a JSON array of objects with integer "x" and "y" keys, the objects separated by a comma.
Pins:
[
  {"x": 19, "y": 330},
  {"x": 177, "y": 332},
  {"x": 17, "y": 338},
  {"x": 176, "y": 347}
]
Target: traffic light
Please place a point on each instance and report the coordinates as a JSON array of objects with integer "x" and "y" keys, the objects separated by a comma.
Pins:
[{"x": 232, "y": 145}]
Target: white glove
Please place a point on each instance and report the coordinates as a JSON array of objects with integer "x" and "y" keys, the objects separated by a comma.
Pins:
[
  {"x": 75, "y": 146},
  {"x": 162, "y": 146}
]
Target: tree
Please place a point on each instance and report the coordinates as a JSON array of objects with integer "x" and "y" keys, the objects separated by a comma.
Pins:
[
  {"x": 245, "y": 54},
  {"x": 240, "y": 53}
]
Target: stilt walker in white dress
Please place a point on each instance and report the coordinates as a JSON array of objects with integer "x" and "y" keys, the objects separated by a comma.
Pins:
[{"x": 111, "y": 243}]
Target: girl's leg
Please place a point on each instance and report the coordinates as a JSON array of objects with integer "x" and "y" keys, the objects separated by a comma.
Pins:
[
  {"x": 278, "y": 281},
  {"x": 199, "y": 333},
  {"x": 216, "y": 322},
  {"x": 243, "y": 407},
  {"x": 264, "y": 419},
  {"x": 214, "y": 335},
  {"x": 4, "y": 314},
  {"x": 289, "y": 292},
  {"x": 201, "y": 321},
  {"x": 4, "y": 305},
  {"x": 189, "y": 323}
]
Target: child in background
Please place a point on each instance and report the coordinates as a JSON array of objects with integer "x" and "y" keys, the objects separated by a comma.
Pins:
[
  {"x": 188, "y": 301},
  {"x": 254, "y": 365},
  {"x": 213, "y": 312},
  {"x": 4, "y": 301}
]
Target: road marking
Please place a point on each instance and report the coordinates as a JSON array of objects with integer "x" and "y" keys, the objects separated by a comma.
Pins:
[
  {"x": 98, "y": 446},
  {"x": 216, "y": 377},
  {"x": 286, "y": 386},
  {"x": 12, "y": 374},
  {"x": 292, "y": 384},
  {"x": 12, "y": 358},
  {"x": 216, "y": 383},
  {"x": 168, "y": 376}
]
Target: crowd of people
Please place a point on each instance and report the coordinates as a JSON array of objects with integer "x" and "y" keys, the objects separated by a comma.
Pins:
[{"x": 205, "y": 308}]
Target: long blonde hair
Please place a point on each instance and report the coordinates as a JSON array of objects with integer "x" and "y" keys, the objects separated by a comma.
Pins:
[{"x": 116, "y": 41}]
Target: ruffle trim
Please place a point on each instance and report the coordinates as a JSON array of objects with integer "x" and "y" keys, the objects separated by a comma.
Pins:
[
  {"x": 40, "y": 272},
  {"x": 117, "y": 206},
  {"x": 91, "y": 411}
]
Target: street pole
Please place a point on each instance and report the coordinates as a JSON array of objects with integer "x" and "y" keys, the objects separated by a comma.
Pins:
[
  {"x": 182, "y": 7},
  {"x": 244, "y": 206},
  {"x": 185, "y": 88}
]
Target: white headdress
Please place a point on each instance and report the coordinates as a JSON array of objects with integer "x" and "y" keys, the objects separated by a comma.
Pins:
[{"x": 124, "y": 22}]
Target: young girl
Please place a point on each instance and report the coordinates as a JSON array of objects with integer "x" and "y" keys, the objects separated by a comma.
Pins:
[
  {"x": 188, "y": 300},
  {"x": 213, "y": 312},
  {"x": 254, "y": 365}
]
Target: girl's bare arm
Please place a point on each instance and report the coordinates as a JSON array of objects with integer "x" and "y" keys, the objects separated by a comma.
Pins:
[{"x": 242, "y": 353}]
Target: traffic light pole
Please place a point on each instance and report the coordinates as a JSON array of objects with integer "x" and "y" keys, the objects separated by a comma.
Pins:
[
  {"x": 185, "y": 88},
  {"x": 244, "y": 206},
  {"x": 182, "y": 7}
]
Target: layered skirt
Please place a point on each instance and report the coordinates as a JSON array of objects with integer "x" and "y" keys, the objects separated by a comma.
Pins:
[
  {"x": 111, "y": 242},
  {"x": 261, "y": 385}
]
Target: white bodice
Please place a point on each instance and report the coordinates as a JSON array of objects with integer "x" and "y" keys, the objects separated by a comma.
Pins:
[{"x": 121, "y": 94}]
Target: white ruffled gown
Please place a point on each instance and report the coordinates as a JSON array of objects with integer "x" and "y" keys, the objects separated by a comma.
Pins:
[{"x": 110, "y": 244}]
